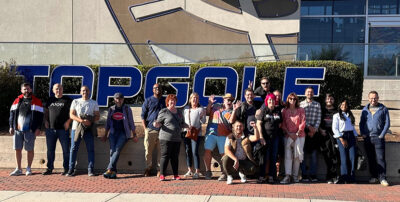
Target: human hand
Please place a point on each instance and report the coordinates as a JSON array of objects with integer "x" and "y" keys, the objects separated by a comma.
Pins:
[
  {"x": 66, "y": 125},
  {"x": 236, "y": 165},
  {"x": 135, "y": 139},
  {"x": 86, "y": 122},
  {"x": 250, "y": 85},
  {"x": 344, "y": 142},
  {"x": 37, "y": 132},
  {"x": 262, "y": 141},
  {"x": 211, "y": 99},
  {"x": 11, "y": 131},
  {"x": 156, "y": 124},
  {"x": 237, "y": 105}
]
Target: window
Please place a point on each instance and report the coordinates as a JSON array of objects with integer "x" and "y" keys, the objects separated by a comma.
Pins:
[{"x": 383, "y": 7}]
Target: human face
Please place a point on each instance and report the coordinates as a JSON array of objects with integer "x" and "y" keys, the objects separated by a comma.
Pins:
[
  {"x": 343, "y": 106},
  {"x": 329, "y": 101},
  {"x": 238, "y": 128},
  {"x": 265, "y": 84},
  {"x": 373, "y": 99},
  {"x": 271, "y": 103},
  {"x": 171, "y": 103},
  {"x": 278, "y": 96},
  {"x": 292, "y": 100},
  {"x": 119, "y": 101},
  {"x": 309, "y": 93},
  {"x": 85, "y": 92},
  {"x": 26, "y": 91},
  {"x": 228, "y": 103},
  {"x": 58, "y": 90},
  {"x": 157, "y": 90},
  {"x": 249, "y": 96},
  {"x": 195, "y": 100}
]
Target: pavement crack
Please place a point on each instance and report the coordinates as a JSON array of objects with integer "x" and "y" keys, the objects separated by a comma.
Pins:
[
  {"x": 112, "y": 197},
  {"x": 208, "y": 198},
  {"x": 13, "y": 196}
]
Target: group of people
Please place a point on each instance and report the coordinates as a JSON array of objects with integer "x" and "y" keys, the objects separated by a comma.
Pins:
[{"x": 251, "y": 138}]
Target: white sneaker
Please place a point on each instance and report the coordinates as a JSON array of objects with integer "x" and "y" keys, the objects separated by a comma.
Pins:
[
  {"x": 28, "y": 171},
  {"x": 385, "y": 183},
  {"x": 188, "y": 174},
  {"x": 222, "y": 177},
  {"x": 286, "y": 180},
  {"x": 16, "y": 172},
  {"x": 229, "y": 179},
  {"x": 373, "y": 180},
  {"x": 242, "y": 177}
]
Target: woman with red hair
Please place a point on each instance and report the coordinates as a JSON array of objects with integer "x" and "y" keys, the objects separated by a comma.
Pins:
[
  {"x": 268, "y": 121},
  {"x": 171, "y": 121}
]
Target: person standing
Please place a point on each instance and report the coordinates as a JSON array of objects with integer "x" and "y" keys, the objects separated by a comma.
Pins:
[
  {"x": 345, "y": 134},
  {"x": 150, "y": 109},
  {"x": 245, "y": 112},
  {"x": 57, "y": 123},
  {"x": 374, "y": 124},
  {"x": 26, "y": 117},
  {"x": 120, "y": 126},
  {"x": 194, "y": 115},
  {"x": 84, "y": 112},
  {"x": 313, "y": 120},
  {"x": 262, "y": 90},
  {"x": 170, "y": 121},
  {"x": 293, "y": 125},
  {"x": 328, "y": 142}
]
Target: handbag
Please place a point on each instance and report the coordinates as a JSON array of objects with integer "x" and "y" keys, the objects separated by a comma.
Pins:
[{"x": 193, "y": 132}]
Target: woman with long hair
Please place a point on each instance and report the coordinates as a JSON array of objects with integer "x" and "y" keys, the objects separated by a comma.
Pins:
[
  {"x": 345, "y": 134},
  {"x": 294, "y": 122}
]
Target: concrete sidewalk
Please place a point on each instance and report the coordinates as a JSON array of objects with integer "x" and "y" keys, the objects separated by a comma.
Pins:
[{"x": 9, "y": 196}]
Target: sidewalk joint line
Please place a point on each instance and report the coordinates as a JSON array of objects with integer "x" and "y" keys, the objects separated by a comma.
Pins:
[
  {"x": 112, "y": 197},
  {"x": 14, "y": 196},
  {"x": 208, "y": 199}
]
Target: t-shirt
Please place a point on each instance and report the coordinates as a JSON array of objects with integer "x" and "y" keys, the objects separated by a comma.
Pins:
[
  {"x": 118, "y": 118},
  {"x": 83, "y": 107},
  {"x": 58, "y": 111},
  {"x": 24, "y": 114},
  {"x": 270, "y": 122},
  {"x": 327, "y": 115},
  {"x": 218, "y": 123},
  {"x": 246, "y": 114},
  {"x": 240, "y": 154}
]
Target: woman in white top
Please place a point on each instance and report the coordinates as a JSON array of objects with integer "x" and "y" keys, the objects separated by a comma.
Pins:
[
  {"x": 345, "y": 134},
  {"x": 194, "y": 115}
]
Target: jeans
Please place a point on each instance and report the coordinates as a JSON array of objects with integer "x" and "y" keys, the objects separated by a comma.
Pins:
[
  {"x": 51, "y": 142},
  {"x": 192, "y": 152},
  {"x": 117, "y": 142},
  {"x": 271, "y": 156},
  {"x": 375, "y": 149},
  {"x": 347, "y": 155},
  {"x": 89, "y": 141},
  {"x": 310, "y": 158},
  {"x": 169, "y": 151}
]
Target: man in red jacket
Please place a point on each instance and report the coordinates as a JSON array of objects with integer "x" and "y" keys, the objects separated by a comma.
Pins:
[{"x": 26, "y": 116}]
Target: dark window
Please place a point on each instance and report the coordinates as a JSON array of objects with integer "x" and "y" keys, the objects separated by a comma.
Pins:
[
  {"x": 383, "y": 7},
  {"x": 316, "y": 7},
  {"x": 275, "y": 8},
  {"x": 384, "y": 35},
  {"x": 348, "y": 30},
  {"x": 315, "y": 30},
  {"x": 349, "y": 7}
]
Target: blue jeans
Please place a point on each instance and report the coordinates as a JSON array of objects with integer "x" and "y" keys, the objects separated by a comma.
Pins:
[
  {"x": 89, "y": 141},
  {"x": 375, "y": 149},
  {"x": 311, "y": 170},
  {"x": 117, "y": 142},
  {"x": 271, "y": 156},
  {"x": 192, "y": 152},
  {"x": 51, "y": 142},
  {"x": 348, "y": 154}
]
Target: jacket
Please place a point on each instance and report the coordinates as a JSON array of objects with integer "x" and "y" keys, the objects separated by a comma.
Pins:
[
  {"x": 129, "y": 124},
  {"x": 37, "y": 113},
  {"x": 377, "y": 124}
]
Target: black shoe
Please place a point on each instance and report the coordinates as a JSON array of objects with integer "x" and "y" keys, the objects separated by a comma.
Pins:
[
  {"x": 91, "y": 174},
  {"x": 47, "y": 172},
  {"x": 340, "y": 181},
  {"x": 70, "y": 173},
  {"x": 64, "y": 172}
]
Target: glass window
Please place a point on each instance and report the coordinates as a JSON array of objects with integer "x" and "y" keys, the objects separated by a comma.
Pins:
[
  {"x": 316, "y": 7},
  {"x": 349, "y": 7},
  {"x": 383, "y": 7},
  {"x": 315, "y": 30},
  {"x": 349, "y": 30},
  {"x": 384, "y": 35}
]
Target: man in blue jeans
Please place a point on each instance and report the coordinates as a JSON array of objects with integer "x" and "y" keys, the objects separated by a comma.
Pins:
[
  {"x": 84, "y": 112},
  {"x": 374, "y": 123},
  {"x": 57, "y": 124}
]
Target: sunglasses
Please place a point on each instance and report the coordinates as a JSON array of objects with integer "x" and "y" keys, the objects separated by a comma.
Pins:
[
  {"x": 292, "y": 98},
  {"x": 265, "y": 83}
]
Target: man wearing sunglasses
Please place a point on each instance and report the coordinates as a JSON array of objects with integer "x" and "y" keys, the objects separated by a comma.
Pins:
[{"x": 262, "y": 91}]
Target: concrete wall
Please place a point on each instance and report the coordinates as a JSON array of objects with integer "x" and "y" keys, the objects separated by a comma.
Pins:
[{"x": 388, "y": 90}]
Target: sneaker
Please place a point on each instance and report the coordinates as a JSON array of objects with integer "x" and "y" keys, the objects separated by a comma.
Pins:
[
  {"x": 229, "y": 179},
  {"x": 64, "y": 172},
  {"x": 313, "y": 179},
  {"x": 330, "y": 181},
  {"x": 47, "y": 172},
  {"x": 108, "y": 174},
  {"x": 305, "y": 179},
  {"x": 176, "y": 177},
  {"x": 28, "y": 171},
  {"x": 271, "y": 180},
  {"x": 261, "y": 180},
  {"x": 286, "y": 180},
  {"x": 296, "y": 179},
  {"x": 208, "y": 175},
  {"x": 90, "y": 173},
  {"x": 373, "y": 180},
  {"x": 222, "y": 177},
  {"x": 384, "y": 183},
  {"x": 16, "y": 172},
  {"x": 242, "y": 177},
  {"x": 147, "y": 172},
  {"x": 70, "y": 173},
  {"x": 162, "y": 178},
  {"x": 196, "y": 176},
  {"x": 188, "y": 174}
]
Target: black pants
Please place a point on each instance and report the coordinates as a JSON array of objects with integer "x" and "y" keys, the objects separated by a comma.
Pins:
[
  {"x": 331, "y": 154},
  {"x": 169, "y": 151},
  {"x": 245, "y": 166},
  {"x": 375, "y": 148}
]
